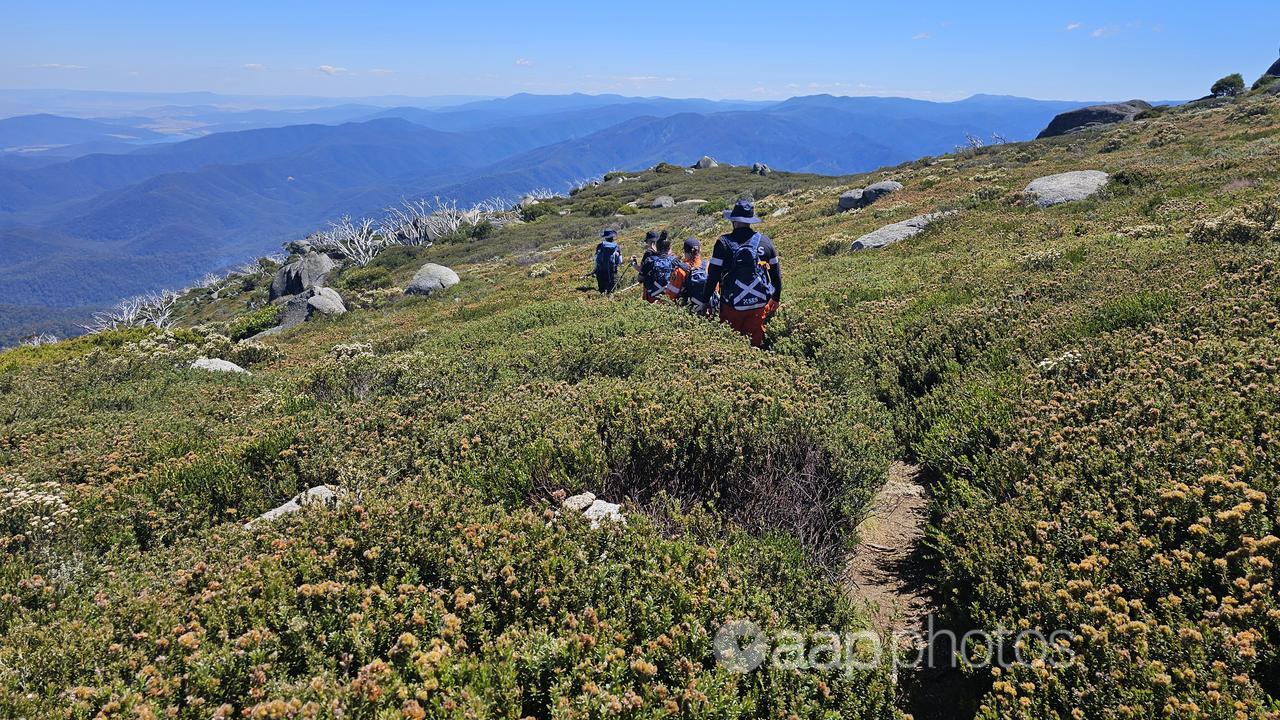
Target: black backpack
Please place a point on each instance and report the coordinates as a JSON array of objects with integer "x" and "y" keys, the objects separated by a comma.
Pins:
[{"x": 745, "y": 284}]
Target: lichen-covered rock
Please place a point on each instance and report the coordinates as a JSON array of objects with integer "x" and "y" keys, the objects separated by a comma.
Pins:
[
  {"x": 897, "y": 232},
  {"x": 850, "y": 200},
  {"x": 880, "y": 189},
  {"x": 579, "y": 503},
  {"x": 860, "y": 198},
  {"x": 1066, "y": 187},
  {"x": 216, "y": 365},
  {"x": 663, "y": 201},
  {"x": 301, "y": 275},
  {"x": 600, "y": 511},
  {"x": 325, "y": 301},
  {"x": 707, "y": 162},
  {"x": 593, "y": 509},
  {"x": 1075, "y": 121},
  {"x": 430, "y": 279},
  {"x": 318, "y": 495}
]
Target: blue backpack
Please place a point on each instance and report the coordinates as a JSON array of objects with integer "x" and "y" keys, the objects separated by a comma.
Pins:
[
  {"x": 608, "y": 257},
  {"x": 696, "y": 284},
  {"x": 657, "y": 272},
  {"x": 745, "y": 284}
]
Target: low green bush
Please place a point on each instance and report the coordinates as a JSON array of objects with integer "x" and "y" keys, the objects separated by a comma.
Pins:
[
  {"x": 425, "y": 601},
  {"x": 713, "y": 207},
  {"x": 369, "y": 277},
  {"x": 832, "y": 247},
  {"x": 531, "y": 213},
  {"x": 601, "y": 208},
  {"x": 1123, "y": 501},
  {"x": 1131, "y": 311},
  {"x": 254, "y": 322},
  {"x": 1255, "y": 223}
]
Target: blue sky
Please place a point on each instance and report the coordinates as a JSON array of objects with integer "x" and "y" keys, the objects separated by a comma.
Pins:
[{"x": 748, "y": 49}]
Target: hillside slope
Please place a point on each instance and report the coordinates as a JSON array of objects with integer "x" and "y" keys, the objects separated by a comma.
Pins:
[
  {"x": 179, "y": 210},
  {"x": 1089, "y": 389}
]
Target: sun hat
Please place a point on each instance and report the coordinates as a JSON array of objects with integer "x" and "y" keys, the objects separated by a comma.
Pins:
[{"x": 743, "y": 212}]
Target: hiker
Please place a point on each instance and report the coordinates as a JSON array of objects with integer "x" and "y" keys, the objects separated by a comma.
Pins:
[
  {"x": 657, "y": 268},
  {"x": 650, "y": 247},
  {"x": 689, "y": 279},
  {"x": 608, "y": 260},
  {"x": 745, "y": 265}
]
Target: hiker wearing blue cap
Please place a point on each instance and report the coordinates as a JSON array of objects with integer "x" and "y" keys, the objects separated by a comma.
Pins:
[
  {"x": 657, "y": 270},
  {"x": 608, "y": 260},
  {"x": 745, "y": 265}
]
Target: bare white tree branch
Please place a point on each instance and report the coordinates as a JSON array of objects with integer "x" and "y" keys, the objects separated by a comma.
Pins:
[{"x": 357, "y": 241}]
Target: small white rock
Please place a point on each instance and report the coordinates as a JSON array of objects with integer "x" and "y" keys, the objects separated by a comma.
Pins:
[
  {"x": 579, "y": 503},
  {"x": 320, "y": 494},
  {"x": 601, "y": 511},
  {"x": 216, "y": 365}
]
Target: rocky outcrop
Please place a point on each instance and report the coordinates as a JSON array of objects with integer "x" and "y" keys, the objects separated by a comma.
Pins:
[
  {"x": 216, "y": 365},
  {"x": 1274, "y": 71},
  {"x": 430, "y": 279},
  {"x": 1066, "y": 187},
  {"x": 299, "y": 247},
  {"x": 855, "y": 199},
  {"x": 299, "y": 276},
  {"x": 302, "y": 307},
  {"x": 663, "y": 201},
  {"x": 761, "y": 169},
  {"x": 593, "y": 509},
  {"x": 1076, "y": 121},
  {"x": 707, "y": 162},
  {"x": 318, "y": 495},
  {"x": 325, "y": 301},
  {"x": 898, "y": 232}
]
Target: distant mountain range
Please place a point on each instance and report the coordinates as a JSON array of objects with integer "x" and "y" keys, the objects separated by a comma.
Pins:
[{"x": 137, "y": 212}]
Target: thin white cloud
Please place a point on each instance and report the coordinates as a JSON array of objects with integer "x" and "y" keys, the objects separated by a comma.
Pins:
[
  {"x": 524, "y": 62},
  {"x": 56, "y": 66},
  {"x": 1105, "y": 31},
  {"x": 923, "y": 36},
  {"x": 1074, "y": 27},
  {"x": 255, "y": 67},
  {"x": 382, "y": 71},
  {"x": 331, "y": 70}
]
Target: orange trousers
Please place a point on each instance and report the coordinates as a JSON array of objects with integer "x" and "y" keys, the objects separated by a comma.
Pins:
[{"x": 748, "y": 322}]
